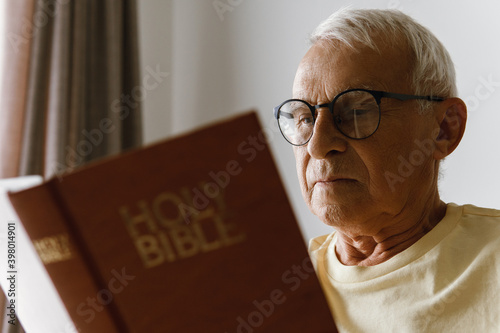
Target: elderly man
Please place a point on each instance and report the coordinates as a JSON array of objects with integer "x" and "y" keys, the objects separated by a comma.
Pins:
[{"x": 373, "y": 113}]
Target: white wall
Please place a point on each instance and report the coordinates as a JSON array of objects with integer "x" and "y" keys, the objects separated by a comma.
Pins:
[
  {"x": 248, "y": 59},
  {"x": 155, "y": 40}
]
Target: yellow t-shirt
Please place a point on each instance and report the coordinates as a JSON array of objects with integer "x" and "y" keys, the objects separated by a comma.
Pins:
[{"x": 448, "y": 281}]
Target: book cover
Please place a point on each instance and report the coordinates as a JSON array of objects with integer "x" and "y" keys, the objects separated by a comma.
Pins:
[
  {"x": 192, "y": 234},
  {"x": 31, "y": 298}
]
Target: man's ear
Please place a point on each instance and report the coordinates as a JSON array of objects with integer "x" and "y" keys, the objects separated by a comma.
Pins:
[{"x": 451, "y": 117}]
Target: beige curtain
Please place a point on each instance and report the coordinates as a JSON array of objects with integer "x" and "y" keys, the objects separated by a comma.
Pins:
[{"x": 70, "y": 90}]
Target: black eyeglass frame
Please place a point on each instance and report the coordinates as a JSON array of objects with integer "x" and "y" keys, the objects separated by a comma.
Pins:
[{"x": 378, "y": 95}]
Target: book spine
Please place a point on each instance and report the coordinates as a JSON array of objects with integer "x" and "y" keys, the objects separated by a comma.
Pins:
[{"x": 57, "y": 246}]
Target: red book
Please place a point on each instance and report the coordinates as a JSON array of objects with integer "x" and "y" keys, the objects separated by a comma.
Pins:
[{"x": 193, "y": 234}]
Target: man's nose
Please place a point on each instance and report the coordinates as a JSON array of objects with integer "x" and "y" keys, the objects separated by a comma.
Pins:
[{"x": 326, "y": 138}]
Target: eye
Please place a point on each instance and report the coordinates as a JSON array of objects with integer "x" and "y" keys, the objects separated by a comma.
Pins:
[
  {"x": 302, "y": 116},
  {"x": 305, "y": 119},
  {"x": 338, "y": 120}
]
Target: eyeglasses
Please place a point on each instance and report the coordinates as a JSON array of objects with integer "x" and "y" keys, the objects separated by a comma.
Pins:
[{"x": 356, "y": 114}]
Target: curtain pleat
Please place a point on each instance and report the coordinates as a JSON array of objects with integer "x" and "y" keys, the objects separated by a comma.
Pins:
[
  {"x": 32, "y": 149},
  {"x": 71, "y": 92},
  {"x": 131, "y": 76},
  {"x": 81, "y": 101},
  {"x": 79, "y": 81},
  {"x": 17, "y": 49},
  {"x": 59, "y": 89}
]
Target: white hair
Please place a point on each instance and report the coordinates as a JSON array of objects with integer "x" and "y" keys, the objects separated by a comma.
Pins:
[{"x": 433, "y": 72}]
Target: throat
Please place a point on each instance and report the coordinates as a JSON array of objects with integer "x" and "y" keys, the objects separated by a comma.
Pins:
[
  {"x": 368, "y": 252},
  {"x": 371, "y": 250}
]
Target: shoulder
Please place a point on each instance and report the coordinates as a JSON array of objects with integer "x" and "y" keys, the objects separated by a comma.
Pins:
[
  {"x": 485, "y": 219},
  {"x": 471, "y": 211},
  {"x": 479, "y": 228}
]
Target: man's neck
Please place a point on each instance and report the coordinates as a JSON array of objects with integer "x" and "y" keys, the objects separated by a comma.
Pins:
[{"x": 373, "y": 250}]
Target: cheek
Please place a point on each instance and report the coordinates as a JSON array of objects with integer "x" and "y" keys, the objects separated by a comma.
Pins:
[
  {"x": 379, "y": 164},
  {"x": 378, "y": 176},
  {"x": 396, "y": 169},
  {"x": 301, "y": 162}
]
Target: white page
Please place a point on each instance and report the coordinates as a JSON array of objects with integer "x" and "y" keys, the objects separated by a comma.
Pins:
[{"x": 37, "y": 303}]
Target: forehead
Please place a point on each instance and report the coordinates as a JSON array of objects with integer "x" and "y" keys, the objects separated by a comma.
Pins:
[{"x": 329, "y": 68}]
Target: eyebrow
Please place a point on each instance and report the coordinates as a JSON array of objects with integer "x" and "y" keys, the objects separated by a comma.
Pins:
[
  {"x": 366, "y": 86},
  {"x": 345, "y": 88}
]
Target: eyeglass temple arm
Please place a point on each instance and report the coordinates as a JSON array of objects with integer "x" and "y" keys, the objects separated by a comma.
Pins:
[
  {"x": 289, "y": 115},
  {"x": 278, "y": 114},
  {"x": 404, "y": 97},
  {"x": 283, "y": 114}
]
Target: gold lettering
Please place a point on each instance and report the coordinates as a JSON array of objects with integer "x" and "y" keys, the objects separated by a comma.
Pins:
[
  {"x": 210, "y": 211},
  {"x": 184, "y": 242},
  {"x": 149, "y": 251},
  {"x": 167, "y": 247},
  {"x": 205, "y": 245},
  {"x": 54, "y": 248},
  {"x": 221, "y": 204},
  {"x": 188, "y": 211},
  {"x": 132, "y": 221},
  {"x": 163, "y": 198},
  {"x": 180, "y": 225}
]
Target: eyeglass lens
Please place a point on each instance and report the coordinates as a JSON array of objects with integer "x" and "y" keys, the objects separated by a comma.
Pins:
[{"x": 355, "y": 113}]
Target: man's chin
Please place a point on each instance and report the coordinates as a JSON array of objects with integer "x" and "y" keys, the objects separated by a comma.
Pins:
[
  {"x": 330, "y": 214},
  {"x": 337, "y": 215}
]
